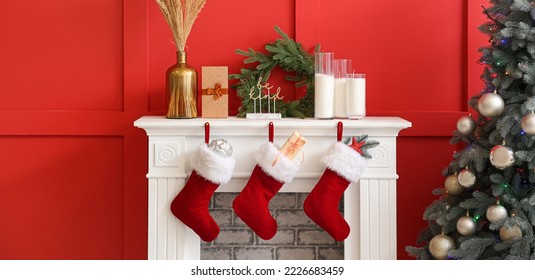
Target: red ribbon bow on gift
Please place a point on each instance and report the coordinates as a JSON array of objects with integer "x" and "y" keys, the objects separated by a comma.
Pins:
[
  {"x": 294, "y": 146},
  {"x": 216, "y": 92}
]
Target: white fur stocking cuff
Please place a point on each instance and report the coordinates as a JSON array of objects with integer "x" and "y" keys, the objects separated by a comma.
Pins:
[
  {"x": 345, "y": 161},
  {"x": 284, "y": 170},
  {"x": 212, "y": 166}
]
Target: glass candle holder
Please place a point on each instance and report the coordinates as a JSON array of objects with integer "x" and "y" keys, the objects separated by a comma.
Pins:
[
  {"x": 323, "y": 85},
  {"x": 341, "y": 69},
  {"x": 356, "y": 96}
]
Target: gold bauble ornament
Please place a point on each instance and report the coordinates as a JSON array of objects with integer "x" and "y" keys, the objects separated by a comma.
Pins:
[
  {"x": 490, "y": 105},
  {"x": 466, "y": 178},
  {"x": 466, "y": 125},
  {"x": 466, "y": 225},
  {"x": 496, "y": 213},
  {"x": 528, "y": 123},
  {"x": 452, "y": 185},
  {"x": 440, "y": 246},
  {"x": 502, "y": 157},
  {"x": 510, "y": 234}
]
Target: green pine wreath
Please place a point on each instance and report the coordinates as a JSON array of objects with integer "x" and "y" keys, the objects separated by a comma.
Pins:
[{"x": 290, "y": 57}]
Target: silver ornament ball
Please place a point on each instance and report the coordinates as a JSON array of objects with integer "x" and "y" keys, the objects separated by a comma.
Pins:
[
  {"x": 452, "y": 185},
  {"x": 528, "y": 123},
  {"x": 466, "y": 178},
  {"x": 466, "y": 226},
  {"x": 496, "y": 213},
  {"x": 502, "y": 157},
  {"x": 440, "y": 246},
  {"x": 466, "y": 125},
  {"x": 510, "y": 234},
  {"x": 490, "y": 105},
  {"x": 221, "y": 147}
]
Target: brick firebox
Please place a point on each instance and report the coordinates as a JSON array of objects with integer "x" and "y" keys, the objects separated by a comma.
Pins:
[{"x": 297, "y": 238}]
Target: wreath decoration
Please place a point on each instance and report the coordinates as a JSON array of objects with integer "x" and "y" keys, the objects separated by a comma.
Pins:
[{"x": 290, "y": 57}]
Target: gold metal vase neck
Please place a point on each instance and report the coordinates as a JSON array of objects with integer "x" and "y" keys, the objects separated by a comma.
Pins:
[{"x": 181, "y": 57}]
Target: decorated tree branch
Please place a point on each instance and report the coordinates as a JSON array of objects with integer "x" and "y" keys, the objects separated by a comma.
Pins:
[{"x": 486, "y": 209}]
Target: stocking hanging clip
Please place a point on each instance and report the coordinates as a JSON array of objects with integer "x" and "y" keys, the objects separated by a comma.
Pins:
[
  {"x": 271, "y": 129},
  {"x": 206, "y": 132},
  {"x": 339, "y": 131}
]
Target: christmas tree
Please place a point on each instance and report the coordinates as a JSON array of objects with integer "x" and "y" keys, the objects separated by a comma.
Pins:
[{"x": 487, "y": 208}]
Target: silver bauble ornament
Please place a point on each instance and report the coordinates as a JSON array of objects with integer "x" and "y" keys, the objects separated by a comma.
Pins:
[
  {"x": 466, "y": 226},
  {"x": 466, "y": 178},
  {"x": 466, "y": 125},
  {"x": 490, "y": 105},
  {"x": 528, "y": 123},
  {"x": 496, "y": 213},
  {"x": 510, "y": 234},
  {"x": 502, "y": 157},
  {"x": 221, "y": 147},
  {"x": 440, "y": 246},
  {"x": 452, "y": 185}
]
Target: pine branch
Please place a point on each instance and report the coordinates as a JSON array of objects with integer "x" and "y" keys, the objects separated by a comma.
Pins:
[
  {"x": 487, "y": 13},
  {"x": 522, "y": 5},
  {"x": 472, "y": 249}
]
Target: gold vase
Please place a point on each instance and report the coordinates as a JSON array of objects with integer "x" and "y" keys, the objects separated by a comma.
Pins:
[{"x": 181, "y": 89}]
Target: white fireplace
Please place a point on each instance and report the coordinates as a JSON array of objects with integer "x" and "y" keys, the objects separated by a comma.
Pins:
[{"x": 369, "y": 206}]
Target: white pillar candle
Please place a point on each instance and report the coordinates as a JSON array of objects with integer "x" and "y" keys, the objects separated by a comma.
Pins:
[
  {"x": 341, "y": 68},
  {"x": 323, "y": 96},
  {"x": 324, "y": 85},
  {"x": 340, "y": 105},
  {"x": 356, "y": 96}
]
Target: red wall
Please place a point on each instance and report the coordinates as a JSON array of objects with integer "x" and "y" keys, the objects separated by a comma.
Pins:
[{"x": 74, "y": 76}]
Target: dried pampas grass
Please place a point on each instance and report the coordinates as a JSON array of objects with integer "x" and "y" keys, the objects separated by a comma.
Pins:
[{"x": 180, "y": 16}]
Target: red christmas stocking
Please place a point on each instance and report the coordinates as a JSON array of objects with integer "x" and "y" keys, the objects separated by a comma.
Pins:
[
  {"x": 251, "y": 205},
  {"x": 343, "y": 166},
  {"x": 191, "y": 204}
]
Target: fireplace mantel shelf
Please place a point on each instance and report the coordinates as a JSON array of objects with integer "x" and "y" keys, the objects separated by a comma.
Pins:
[
  {"x": 157, "y": 124},
  {"x": 370, "y": 205}
]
